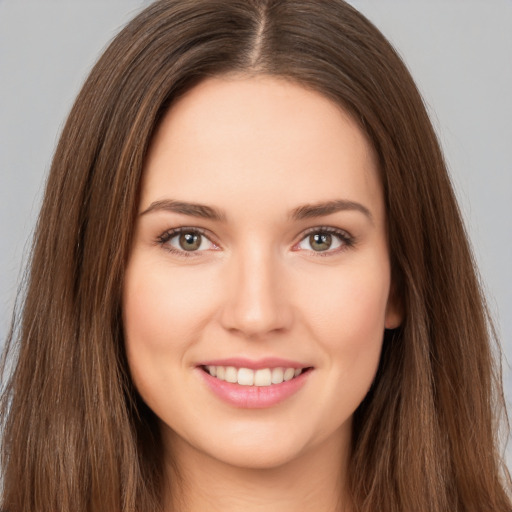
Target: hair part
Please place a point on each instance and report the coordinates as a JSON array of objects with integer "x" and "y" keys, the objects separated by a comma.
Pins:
[{"x": 76, "y": 434}]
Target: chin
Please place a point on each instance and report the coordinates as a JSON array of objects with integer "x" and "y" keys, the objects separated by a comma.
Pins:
[
  {"x": 260, "y": 447},
  {"x": 253, "y": 457}
]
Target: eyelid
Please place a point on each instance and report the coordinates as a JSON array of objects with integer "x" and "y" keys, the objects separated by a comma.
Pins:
[
  {"x": 346, "y": 238},
  {"x": 169, "y": 234}
]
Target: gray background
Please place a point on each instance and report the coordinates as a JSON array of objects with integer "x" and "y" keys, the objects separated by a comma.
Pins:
[{"x": 459, "y": 51}]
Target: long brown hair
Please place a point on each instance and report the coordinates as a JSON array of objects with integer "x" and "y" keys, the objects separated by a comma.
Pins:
[{"x": 76, "y": 437}]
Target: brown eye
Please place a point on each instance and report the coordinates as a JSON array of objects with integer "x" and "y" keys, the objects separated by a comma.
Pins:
[
  {"x": 320, "y": 241},
  {"x": 190, "y": 241},
  {"x": 325, "y": 240},
  {"x": 186, "y": 241}
]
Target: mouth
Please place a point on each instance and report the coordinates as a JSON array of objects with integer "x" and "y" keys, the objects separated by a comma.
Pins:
[
  {"x": 254, "y": 383},
  {"x": 262, "y": 377}
]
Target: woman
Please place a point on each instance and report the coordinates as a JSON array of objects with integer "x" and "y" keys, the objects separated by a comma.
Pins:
[{"x": 250, "y": 284}]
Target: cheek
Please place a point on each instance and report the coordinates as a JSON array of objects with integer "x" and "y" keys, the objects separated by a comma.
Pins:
[
  {"x": 164, "y": 312},
  {"x": 162, "y": 307},
  {"x": 347, "y": 322},
  {"x": 347, "y": 314}
]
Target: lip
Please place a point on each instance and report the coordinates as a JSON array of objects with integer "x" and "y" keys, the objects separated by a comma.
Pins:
[
  {"x": 266, "y": 362},
  {"x": 253, "y": 397}
]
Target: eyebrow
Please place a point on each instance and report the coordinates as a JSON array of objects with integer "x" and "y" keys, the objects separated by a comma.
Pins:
[
  {"x": 193, "y": 209},
  {"x": 309, "y": 211},
  {"x": 306, "y": 211}
]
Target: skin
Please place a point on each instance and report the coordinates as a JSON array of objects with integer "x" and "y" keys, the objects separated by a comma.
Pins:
[{"x": 256, "y": 149}]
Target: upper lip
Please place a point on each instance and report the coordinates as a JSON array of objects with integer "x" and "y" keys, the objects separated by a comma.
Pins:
[{"x": 255, "y": 364}]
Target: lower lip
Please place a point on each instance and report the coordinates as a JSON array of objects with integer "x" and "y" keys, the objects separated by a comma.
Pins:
[{"x": 254, "y": 397}]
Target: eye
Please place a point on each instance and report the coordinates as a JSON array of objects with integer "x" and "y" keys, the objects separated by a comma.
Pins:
[
  {"x": 185, "y": 241},
  {"x": 325, "y": 240}
]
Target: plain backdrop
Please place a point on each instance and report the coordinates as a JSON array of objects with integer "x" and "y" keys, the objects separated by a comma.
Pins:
[{"x": 459, "y": 51}]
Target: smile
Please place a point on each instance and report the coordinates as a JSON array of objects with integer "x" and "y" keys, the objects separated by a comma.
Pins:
[
  {"x": 249, "y": 377},
  {"x": 267, "y": 384}
]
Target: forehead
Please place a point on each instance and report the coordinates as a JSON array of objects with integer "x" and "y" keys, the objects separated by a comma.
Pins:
[{"x": 240, "y": 140}]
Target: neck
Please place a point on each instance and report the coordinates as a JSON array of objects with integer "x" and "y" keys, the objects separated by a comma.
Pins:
[{"x": 313, "y": 481}]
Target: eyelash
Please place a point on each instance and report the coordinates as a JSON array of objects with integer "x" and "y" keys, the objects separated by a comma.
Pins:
[
  {"x": 344, "y": 237},
  {"x": 165, "y": 237}
]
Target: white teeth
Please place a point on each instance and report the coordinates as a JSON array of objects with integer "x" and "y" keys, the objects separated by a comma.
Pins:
[
  {"x": 221, "y": 372},
  {"x": 248, "y": 377},
  {"x": 289, "y": 373},
  {"x": 263, "y": 377},
  {"x": 231, "y": 374},
  {"x": 277, "y": 375},
  {"x": 245, "y": 377}
]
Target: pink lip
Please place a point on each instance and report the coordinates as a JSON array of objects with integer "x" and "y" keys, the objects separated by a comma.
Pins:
[
  {"x": 253, "y": 397},
  {"x": 267, "y": 362}
]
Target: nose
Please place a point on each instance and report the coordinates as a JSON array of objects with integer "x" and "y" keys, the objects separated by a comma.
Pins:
[{"x": 256, "y": 301}]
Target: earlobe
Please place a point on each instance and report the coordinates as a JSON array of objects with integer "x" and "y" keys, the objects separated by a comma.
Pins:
[
  {"x": 393, "y": 319},
  {"x": 394, "y": 311}
]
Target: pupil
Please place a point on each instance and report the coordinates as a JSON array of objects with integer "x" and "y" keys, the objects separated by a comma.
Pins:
[
  {"x": 190, "y": 241},
  {"x": 320, "y": 241}
]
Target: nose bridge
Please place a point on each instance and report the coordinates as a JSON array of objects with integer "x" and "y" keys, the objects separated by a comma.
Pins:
[{"x": 256, "y": 302}]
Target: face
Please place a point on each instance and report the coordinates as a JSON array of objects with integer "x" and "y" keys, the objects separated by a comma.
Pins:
[{"x": 258, "y": 287}]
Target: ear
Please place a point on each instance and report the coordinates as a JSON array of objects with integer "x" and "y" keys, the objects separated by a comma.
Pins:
[{"x": 394, "y": 310}]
